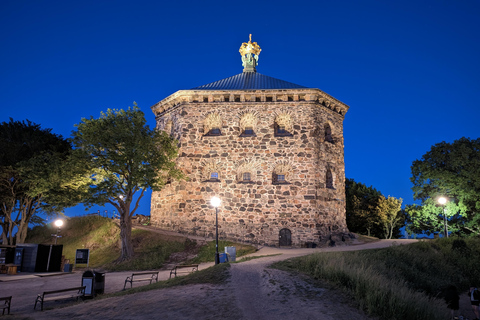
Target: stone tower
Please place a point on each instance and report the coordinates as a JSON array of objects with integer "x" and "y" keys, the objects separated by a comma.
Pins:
[{"x": 271, "y": 150}]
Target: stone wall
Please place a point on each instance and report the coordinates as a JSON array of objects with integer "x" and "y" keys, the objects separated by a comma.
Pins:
[{"x": 310, "y": 204}]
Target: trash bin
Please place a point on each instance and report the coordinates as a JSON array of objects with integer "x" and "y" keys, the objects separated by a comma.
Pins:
[
  {"x": 99, "y": 282},
  {"x": 88, "y": 281},
  {"x": 232, "y": 253},
  {"x": 223, "y": 257},
  {"x": 67, "y": 267}
]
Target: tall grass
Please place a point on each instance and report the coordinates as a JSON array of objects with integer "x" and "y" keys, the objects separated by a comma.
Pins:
[{"x": 400, "y": 282}]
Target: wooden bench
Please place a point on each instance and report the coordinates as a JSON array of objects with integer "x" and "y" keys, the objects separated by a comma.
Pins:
[
  {"x": 178, "y": 269},
  {"x": 131, "y": 279},
  {"x": 56, "y": 295},
  {"x": 6, "y": 305}
]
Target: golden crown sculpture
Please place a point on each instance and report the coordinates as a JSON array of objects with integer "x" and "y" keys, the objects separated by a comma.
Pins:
[{"x": 249, "y": 47}]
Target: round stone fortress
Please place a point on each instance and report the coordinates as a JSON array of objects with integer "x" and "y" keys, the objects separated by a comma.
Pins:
[{"x": 271, "y": 150}]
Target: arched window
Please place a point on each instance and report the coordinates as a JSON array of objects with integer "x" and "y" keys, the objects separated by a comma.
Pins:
[
  {"x": 211, "y": 170},
  {"x": 248, "y": 124},
  {"x": 329, "y": 179},
  {"x": 282, "y": 173},
  {"x": 212, "y": 124},
  {"x": 246, "y": 171},
  {"x": 283, "y": 126},
  {"x": 328, "y": 133}
]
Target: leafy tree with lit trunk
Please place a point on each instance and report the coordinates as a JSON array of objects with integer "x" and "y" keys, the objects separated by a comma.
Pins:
[
  {"x": 36, "y": 175},
  {"x": 451, "y": 170},
  {"x": 391, "y": 216},
  {"x": 126, "y": 157}
]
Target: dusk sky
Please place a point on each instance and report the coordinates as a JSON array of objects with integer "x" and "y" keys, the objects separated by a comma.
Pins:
[{"x": 409, "y": 70}]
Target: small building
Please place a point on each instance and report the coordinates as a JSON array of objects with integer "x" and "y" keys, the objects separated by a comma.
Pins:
[{"x": 271, "y": 150}]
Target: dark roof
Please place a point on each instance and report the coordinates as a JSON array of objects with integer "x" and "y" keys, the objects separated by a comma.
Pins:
[{"x": 249, "y": 81}]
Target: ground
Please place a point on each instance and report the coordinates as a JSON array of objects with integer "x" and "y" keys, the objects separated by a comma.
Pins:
[{"x": 254, "y": 291}]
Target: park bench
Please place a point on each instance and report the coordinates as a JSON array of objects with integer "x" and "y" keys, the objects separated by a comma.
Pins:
[
  {"x": 180, "y": 269},
  {"x": 134, "y": 277},
  {"x": 56, "y": 295},
  {"x": 6, "y": 305}
]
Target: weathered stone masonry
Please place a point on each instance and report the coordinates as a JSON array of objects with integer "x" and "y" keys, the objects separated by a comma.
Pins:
[{"x": 288, "y": 142}]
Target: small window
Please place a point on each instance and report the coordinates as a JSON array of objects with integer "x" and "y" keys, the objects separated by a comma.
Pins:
[
  {"x": 205, "y": 99},
  {"x": 281, "y": 131},
  {"x": 328, "y": 133},
  {"x": 215, "y": 132},
  {"x": 258, "y": 99},
  {"x": 247, "y": 177},
  {"x": 279, "y": 179},
  {"x": 329, "y": 180},
  {"x": 214, "y": 176},
  {"x": 248, "y": 130},
  {"x": 227, "y": 99}
]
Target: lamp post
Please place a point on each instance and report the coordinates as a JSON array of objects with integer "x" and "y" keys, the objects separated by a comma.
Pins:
[
  {"x": 443, "y": 201},
  {"x": 215, "y": 202},
  {"x": 58, "y": 223}
]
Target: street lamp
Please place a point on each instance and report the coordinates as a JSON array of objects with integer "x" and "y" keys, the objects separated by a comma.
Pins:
[
  {"x": 58, "y": 223},
  {"x": 215, "y": 202},
  {"x": 443, "y": 201}
]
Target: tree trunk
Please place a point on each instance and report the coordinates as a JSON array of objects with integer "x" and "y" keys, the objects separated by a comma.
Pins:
[
  {"x": 4, "y": 235},
  {"x": 126, "y": 236},
  {"x": 21, "y": 233},
  {"x": 10, "y": 234}
]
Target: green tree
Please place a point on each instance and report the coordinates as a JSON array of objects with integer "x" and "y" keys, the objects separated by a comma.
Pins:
[
  {"x": 361, "y": 204},
  {"x": 391, "y": 216},
  {"x": 451, "y": 170},
  {"x": 126, "y": 157},
  {"x": 34, "y": 173}
]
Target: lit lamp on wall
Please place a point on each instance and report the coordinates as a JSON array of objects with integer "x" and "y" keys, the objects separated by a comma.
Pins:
[
  {"x": 215, "y": 202},
  {"x": 443, "y": 202}
]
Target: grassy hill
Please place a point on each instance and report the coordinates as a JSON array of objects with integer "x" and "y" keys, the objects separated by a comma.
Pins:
[
  {"x": 152, "y": 250},
  {"x": 399, "y": 282}
]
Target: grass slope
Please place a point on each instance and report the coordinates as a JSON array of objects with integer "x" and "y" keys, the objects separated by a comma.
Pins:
[
  {"x": 400, "y": 282},
  {"x": 101, "y": 235}
]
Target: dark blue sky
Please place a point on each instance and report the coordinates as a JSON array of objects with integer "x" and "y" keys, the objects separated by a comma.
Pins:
[{"x": 409, "y": 70}]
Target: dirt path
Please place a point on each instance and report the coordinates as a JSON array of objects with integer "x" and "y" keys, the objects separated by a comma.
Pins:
[{"x": 263, "y": 293}]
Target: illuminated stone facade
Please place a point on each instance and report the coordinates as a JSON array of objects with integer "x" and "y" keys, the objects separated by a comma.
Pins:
[{"x": 272, "y": 154}]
